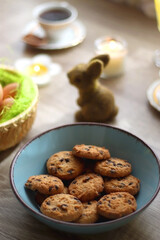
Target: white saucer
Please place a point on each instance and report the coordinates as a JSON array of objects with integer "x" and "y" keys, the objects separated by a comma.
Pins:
[
  {"x": 150, "y": 92},
  {"x": 72, "y": 37}
]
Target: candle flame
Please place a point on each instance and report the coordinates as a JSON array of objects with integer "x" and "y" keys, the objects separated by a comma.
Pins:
[
  {"x": 112, "y": 44},
  {"x": 156, "y": 95},
  {"x": 37, "y": 69}
]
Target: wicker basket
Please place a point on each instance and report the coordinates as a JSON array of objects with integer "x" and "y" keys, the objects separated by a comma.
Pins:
[{"x": 12, "y": 131}]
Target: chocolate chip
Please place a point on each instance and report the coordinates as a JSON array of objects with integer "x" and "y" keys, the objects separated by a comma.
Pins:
[
  {"x": 54, "y": 209},
  {"x": 50, "y": 189},
  {"x": 113, "y": 197},
  {"x": 67, "y": 160},
  {"x": 130, "y": 183},
  {"x": 39, "y": 180},
  {"x": 122, "y": 185},
  {"x": 64, "y": 206},
  {"x": 56, "y": 187},
  {"x": 70, "y": 171},
  {"x": 52, "y": 164},
  {"x": 112, "y": 171},
  {"x": 119, "y": 195},
  {"x": 87, "y": 149},
  {"x": 86, "y": 179},
  {"x": 76, "y": 199},
  {"x": 89, "y": 203},
  {"x": 99, "y": 203},
  {"x": 109, "y": 205},
  {"x": 119, "y": 164},
  {"x": 74, "y": 182},
  {"x": 129, "y": 202},
  {"x": 48, "y": 203},
  {"x": 61, "y": 160}
]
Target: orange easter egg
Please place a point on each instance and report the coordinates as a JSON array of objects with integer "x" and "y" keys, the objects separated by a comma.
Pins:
[
  {"x": 1, "y": 93},
  {"x": 10, "y": 90}
]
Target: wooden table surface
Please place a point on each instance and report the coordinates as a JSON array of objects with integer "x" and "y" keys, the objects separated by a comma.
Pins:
[{"x": 57, "y": 103}]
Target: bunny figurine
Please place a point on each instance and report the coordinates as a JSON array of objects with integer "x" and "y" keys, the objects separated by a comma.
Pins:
[{"x": 96, "y": 101}]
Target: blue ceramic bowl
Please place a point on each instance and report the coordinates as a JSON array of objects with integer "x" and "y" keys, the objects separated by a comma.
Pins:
[{"x": 31, "y": 160}]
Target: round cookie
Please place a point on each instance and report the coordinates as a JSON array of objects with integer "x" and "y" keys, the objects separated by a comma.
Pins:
[
  {"x": 116, "y": 205},
  {"x": 90, "y": 152},
  {"x": 128, "y": 184},
  {"x": 45, "y": 184},
  {"x": 64, "y": 207},
  {"x": 87, "y": 187},
  {"x": 64, "y": 165},
  {"x": 113, "y": 167},
  {"x": 89, "y": 214}
]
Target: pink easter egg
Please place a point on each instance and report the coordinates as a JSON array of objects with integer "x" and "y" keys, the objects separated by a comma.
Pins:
[
  {"x": 6, "y": 104},
  {"x": 10, "y": 90}
]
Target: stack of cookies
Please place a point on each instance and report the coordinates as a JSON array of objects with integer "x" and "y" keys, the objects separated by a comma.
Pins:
[{"x": 85, "y": 185}]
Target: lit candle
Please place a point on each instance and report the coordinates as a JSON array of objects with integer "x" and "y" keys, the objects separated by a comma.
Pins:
[
  {"x": 156, "y": 94},
  {"x": 117, "y": 51},
  {"x": 40, "y": 68},
  {"x": 39, "y": 73},
  {"x": 153, "y": 94}
]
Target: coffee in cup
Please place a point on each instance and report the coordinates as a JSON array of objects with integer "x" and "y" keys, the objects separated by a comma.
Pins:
[{"x": 55, "y": 18}]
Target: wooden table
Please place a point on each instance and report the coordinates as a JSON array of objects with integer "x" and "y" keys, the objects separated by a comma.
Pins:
[{"x": 57, "y": 103}]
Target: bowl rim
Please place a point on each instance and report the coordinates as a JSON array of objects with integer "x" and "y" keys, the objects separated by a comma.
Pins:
[{"x": 109, "y": 222}]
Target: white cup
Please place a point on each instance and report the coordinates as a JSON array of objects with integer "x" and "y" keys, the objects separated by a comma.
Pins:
[{"x": 55, "y": 18}]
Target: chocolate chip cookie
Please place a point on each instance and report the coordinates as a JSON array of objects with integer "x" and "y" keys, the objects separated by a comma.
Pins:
[
  {"x": 65, "y": 165},
  {"x": 116, "y": 205},
  {"x": 128, "y": 184},
  {"x": 64, "y": 207},
  {"x": 45, "y": 184},
  {"x": 90, "y": 152},
  {"x": 87, "y": 187},
  {"x": 113, "y": 167}
]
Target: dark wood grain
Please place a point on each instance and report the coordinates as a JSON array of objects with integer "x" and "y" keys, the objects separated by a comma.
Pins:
[{"x": 57, "y": 103}]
